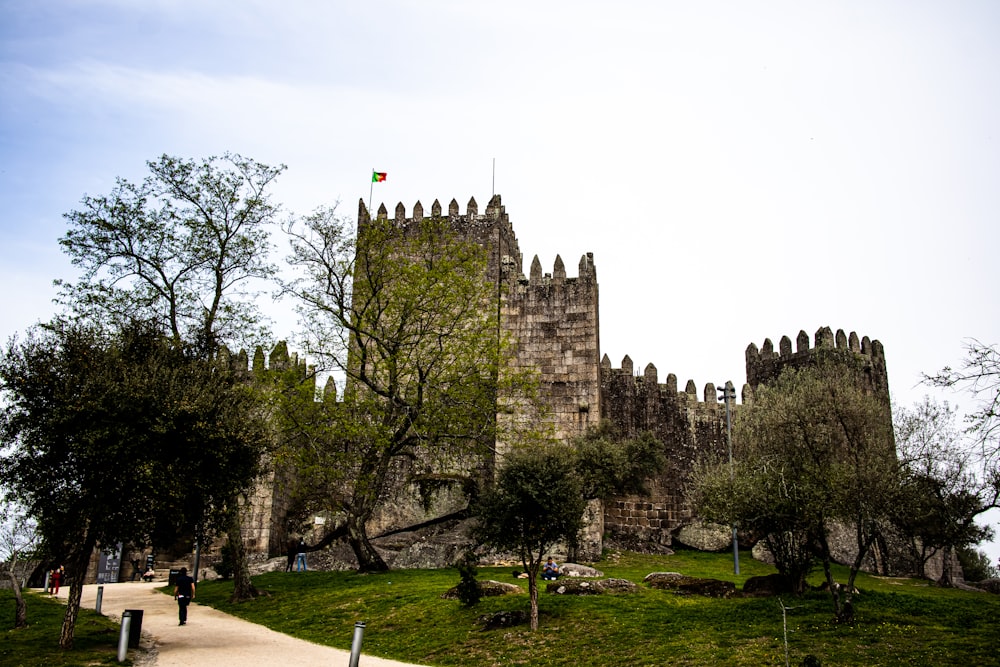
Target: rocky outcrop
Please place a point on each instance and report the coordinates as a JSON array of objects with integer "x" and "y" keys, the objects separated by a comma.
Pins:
[
  {"x": 504, "y": 619},
  {"x": 767, "y": 586},
  {"x": 989, "y": 585},
  {"x": 488, "y": 588},
  {"x": 674, "y": 581},
  {"x": 585, "y": 587},
  {"x": 576, "y": 570},
  {"x": 705, "y": 536}
]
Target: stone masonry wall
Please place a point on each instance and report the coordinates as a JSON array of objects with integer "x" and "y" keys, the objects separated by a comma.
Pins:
[
  {"x": 689, "y": 429},
  {"x": 553, "y": 320}
]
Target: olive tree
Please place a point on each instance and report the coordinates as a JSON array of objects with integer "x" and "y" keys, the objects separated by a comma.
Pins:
[
  {"x": 536, "y": 502},
  {"x": 812, "y": 448}
]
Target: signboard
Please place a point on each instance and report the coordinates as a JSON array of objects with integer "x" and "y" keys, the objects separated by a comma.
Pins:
[{"x": 108, "y": 565}]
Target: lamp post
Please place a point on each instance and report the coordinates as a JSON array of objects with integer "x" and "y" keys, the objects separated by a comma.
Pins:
[{"x": 728, "y": 392}]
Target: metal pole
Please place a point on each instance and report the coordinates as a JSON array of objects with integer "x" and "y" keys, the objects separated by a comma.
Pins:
[
  {"x": 100, "y": 598},
  {"x": 197, "y": 559},
  {"x": 359, "y": 632},
  {"x": 123, "y": 636},
  {"x": 728, "y": 392}
]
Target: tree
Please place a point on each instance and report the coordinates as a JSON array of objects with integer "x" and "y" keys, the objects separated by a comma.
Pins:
[
  {"x": 536, "y": 502},
  {"x": 185, "y": 248},
  {"x": 407, "y": 315},
  {"x": 542, "y": 490},
  {"x": 812, "y": 448},
  {"x": 944, "y": 491},
  {"x": 182, "y": 248},
  {"x": 980, "y": 376},
  {"x": 18, "y": 537},
  {"x": 122, "y": 437}
]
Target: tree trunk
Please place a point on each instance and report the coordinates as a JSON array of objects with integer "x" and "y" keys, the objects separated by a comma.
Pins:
[
  {"x": 20, "y": 608},
  {"x": 947, "y": 568},
  {"x": 533, "y": 596},
  {"x": 243, "y": 588},
  {"x": 76, "y": 571},
  {"x": 369, "y": 559}
]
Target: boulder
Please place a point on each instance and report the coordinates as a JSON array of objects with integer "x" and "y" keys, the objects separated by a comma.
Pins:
[
  {"x": 767, "y": 586},
  {"x": 585, "y": 587},
  {"x": 674, "y": 581},
  {"x": 488, "y": 588},
  {"x": 575, "y": 570},
  {"x": 504, "y": 619},
  {"x": 705, "y": 536},
  {"x": 989, "y": 585},
  {"x": 762, "y": 553}
]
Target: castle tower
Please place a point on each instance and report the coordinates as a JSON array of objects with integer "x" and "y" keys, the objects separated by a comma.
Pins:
[
  {"x": 764, "y": 365},
  {"x": 550, "y": 318}
]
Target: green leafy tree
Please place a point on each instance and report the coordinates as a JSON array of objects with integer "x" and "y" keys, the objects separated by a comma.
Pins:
[
  {"x": 542, "y": 489},
  {"x": 122, "y": 437},
  {"x": 408, "y": 318},
  {"x": 187, "y": 248},
  {"x": 183, "y": 248},
  {"x": 943, "y": 485},
  {"x": 536, "y": 502},
  {"x": 813, "y": 447}
]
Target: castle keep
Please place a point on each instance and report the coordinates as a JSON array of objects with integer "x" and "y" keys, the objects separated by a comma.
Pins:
[{"x": 553, "y": 320}]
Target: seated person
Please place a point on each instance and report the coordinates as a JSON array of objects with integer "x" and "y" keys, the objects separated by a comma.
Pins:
[
  {"x": 149, "y": 574},
  {"x": 550, "y": 571}
]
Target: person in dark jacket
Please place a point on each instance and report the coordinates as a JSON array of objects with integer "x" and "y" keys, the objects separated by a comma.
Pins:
[{"x": 184, "y": 590}]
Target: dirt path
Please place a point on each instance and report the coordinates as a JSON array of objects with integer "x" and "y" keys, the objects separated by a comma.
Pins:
[{"x": 210, "y": 637}]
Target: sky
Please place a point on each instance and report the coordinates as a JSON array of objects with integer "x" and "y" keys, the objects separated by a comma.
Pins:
[{"x": 740, "y": 171}]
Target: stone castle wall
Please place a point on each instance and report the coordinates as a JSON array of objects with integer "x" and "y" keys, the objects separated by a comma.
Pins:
[
  {"x": 553, "y": 322},
  {"x": 690, "y": 427}
]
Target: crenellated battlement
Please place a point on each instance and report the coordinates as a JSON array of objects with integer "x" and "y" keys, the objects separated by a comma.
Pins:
[
  {"x": 824, "y": 339},
  {"x": 648, "y": 379},
  {"x": 495, "y": 212},
  {"x": 765, "y": 364},
  {"x": 586, "y": 272},
  {"x": 491, "y": 230}
]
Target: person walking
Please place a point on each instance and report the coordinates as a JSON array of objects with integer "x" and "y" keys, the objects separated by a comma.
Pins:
[
  {"x": 300, "y": 559},
  {"x": 55, "y": 579},
  {"x": 184, "y": 590}
]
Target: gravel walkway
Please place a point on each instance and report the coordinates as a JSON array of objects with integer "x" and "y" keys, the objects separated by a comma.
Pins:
[{"x": 210, "y": 637}]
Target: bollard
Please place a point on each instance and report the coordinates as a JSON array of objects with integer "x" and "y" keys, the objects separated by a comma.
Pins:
[
  {"x": 359, "y": 632},
  {"x": 123, "y": 637},
  {"x": 100, "y": 598},
  {"x": 46, "y": 582}
]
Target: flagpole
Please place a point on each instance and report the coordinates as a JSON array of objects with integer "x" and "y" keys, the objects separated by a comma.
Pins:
[
  {"x": 371, "y": 189},
  {"x": 494, "y": 177}
]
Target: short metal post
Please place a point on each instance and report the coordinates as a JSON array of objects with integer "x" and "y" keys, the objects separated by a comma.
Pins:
[
  {"x": 46, "y": 582},
  {"x": 359, "y": 633},
  {"x": 100, "y": 598},
  {"x": 123, "y": 637}
]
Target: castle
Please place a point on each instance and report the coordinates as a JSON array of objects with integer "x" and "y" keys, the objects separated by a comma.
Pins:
[{"x": 553, "y": 319}]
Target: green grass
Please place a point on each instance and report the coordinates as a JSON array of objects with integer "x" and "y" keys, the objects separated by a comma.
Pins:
[
  {"x": 95, "y": 641},
  {"x": 899, "y": 621}
]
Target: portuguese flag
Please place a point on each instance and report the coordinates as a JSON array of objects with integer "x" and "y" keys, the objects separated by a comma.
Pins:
[{"x": 378, "y": 176}]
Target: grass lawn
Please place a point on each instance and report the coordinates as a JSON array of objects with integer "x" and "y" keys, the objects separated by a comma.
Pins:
[
  {"x": 899, "y": 621},
  {"x": 95, "y": 641}
]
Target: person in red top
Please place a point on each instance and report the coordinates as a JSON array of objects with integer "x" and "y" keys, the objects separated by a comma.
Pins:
[{"x": 55, "y": 579}]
